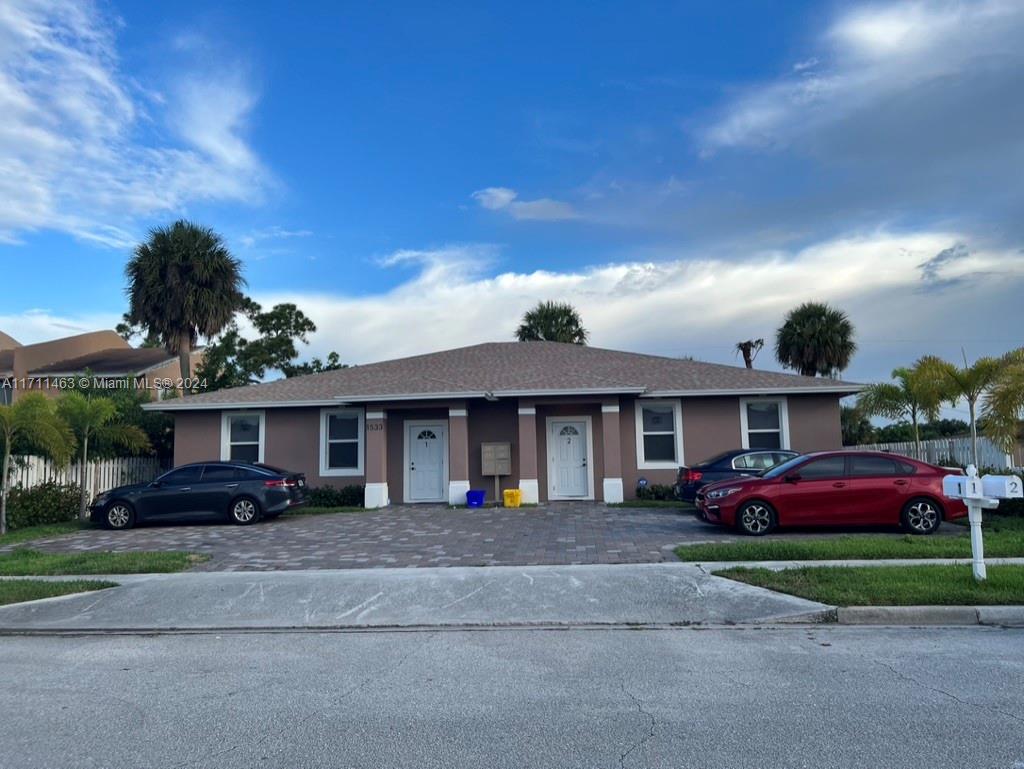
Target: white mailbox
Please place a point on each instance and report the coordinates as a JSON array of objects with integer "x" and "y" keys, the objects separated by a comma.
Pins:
[
  {"x": 962, "y": 486},
  {"x": 980, "y": 494},
  {"x": 1002, "y": 486}
]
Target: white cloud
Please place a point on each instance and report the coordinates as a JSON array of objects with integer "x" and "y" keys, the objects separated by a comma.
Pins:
[
  {"x": 689, "y": 306},
  {"x": 80, "y": 144},
  {"x": 869, "y": 58},
  {"x": 41, "y": 325},
  {"x": 256, "y": 237},
  {"x": 541, "y": 209}
]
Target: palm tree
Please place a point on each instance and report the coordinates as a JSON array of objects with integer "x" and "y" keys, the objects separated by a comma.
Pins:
[
  {"x": 1004, "y": 405},
  {"x": 552, "y": 322},
  {"x": 30, "y": 420},
  {"x": 749, "y": 350},
  {"x": 815, "y": 340},
  {"x": 917, "y": 393},
  {"x": 971, "y": 383},
  {"x": 93, "y": 420},
  {"x": 183, "y": 283}
]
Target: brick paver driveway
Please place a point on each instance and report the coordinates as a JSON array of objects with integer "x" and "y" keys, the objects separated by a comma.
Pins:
[{"x": 563, "y": 533}]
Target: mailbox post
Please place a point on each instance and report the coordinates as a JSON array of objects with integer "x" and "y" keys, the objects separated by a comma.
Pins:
[
  {"x": 980, "y": 494},
  {"x": 496, "y": 460}
]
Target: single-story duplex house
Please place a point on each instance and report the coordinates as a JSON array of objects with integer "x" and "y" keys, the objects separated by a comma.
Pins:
[{"x": 577, "y": 422}]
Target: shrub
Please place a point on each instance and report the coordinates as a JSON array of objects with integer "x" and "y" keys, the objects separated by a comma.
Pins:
[
  {"x": 329, "y": 496},
  {"x": 655, "y": 491},
  {"x": 46, "y": 503}
]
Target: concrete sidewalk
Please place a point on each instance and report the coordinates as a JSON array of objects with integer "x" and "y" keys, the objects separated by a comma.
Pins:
[{"x": 649, "y": 594}]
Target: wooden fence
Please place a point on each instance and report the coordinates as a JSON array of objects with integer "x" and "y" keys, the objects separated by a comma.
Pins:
[
  {"x": 28, "y": 471},
  {"x": 950, "y": 451}
]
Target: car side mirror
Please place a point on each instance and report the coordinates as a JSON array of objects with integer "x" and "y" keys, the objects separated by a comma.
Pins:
[
  {"x": 156, "y": 484},
  {"x": 792, "y": 478}
]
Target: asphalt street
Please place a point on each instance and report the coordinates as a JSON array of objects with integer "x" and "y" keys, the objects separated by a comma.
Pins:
[{"x": 682, "y": 697}]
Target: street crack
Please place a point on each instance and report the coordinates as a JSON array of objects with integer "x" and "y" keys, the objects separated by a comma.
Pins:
[
  {"x": 910, "y": 679},
  {"x": 649, "y": 732}
]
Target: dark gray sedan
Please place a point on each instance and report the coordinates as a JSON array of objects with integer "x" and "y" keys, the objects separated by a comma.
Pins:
[{"x": 241, "y": 492}]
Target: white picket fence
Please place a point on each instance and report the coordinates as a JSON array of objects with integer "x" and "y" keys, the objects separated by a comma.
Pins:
[
  {"x": 28, "y": 471},
  {"x": 943, "y": 450}
]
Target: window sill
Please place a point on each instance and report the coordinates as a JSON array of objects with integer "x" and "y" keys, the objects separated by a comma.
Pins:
[
  {"x": 657, "y": 466},
  {"x": 354, "y": 472}
]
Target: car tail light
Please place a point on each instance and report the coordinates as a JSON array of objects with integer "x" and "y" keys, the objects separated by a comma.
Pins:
[
  {"x": 686, "y": 475},
  {"x": 282, "y": 483}
]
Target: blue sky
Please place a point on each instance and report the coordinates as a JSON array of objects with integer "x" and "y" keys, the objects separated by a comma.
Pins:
[{"x": 415, "y": 177}]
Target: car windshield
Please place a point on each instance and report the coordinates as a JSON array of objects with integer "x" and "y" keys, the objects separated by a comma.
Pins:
[{"x": 783, "y": 468}]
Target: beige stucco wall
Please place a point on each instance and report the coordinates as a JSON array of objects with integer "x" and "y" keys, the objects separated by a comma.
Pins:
[
  {"x": 196, "y": 436},
  {"x": 814, "y": 423},
  {"x": 492, "y": 422}
]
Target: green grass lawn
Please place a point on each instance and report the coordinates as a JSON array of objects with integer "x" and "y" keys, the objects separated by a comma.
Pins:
[
  {"x": 18, "y": 590},
  {"x": 890, "y": 585},
  {"x": 1004, "y": 538},
  {"x": 41, "y": 532},
  {"x": 25, "y": 562}
]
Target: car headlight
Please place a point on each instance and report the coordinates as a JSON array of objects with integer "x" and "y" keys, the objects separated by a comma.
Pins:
[
  {"x": 101, "y": 498},
  {"x": 719, "y": 493}
]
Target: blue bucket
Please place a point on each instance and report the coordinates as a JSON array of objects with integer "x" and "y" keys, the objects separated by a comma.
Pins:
[{"x": 475, "y": 498}]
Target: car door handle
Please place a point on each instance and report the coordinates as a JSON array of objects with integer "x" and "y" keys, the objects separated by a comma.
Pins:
[
  {"x": 839, "y": 485},
  {"x": 901, "y": 483},
  {"x": 187, "y": 488},
  {"x": 231, "y": 485}
]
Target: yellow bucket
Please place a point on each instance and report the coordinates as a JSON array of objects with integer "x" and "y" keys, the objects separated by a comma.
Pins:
[{"x": 513, "y": 497}]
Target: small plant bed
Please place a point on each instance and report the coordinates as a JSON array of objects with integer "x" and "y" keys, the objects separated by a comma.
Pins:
[
  {"x": 18, "y": 590},
  {"x": 42, "y": 531},
  {"x": 1004, "y": 538},
  {"x": 298, "y": 512},
  {"x": 25, "y": 562},
  {"x": 655, "y": 503},
  {"x": 924, "y": 585}
]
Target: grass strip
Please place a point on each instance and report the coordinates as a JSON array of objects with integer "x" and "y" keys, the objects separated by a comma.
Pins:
[
  {"x": 18, "y": 590},
  {"x": 924, "y": 585},
  {"x": 25, "y": 562},
  {"x": 1004, "y": 538},
  {"x": 43, "y": 531}
]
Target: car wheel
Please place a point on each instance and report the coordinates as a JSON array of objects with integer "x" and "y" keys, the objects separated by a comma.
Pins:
[
  {"x": 244, "y": 511},
  {"x": 120, "y": 516},
  {"x": 755, "y": 519},
  {"x": 921, "y": 516}
]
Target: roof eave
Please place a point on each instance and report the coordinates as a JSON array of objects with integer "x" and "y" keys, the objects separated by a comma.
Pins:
[{"x": 847, "y": 389}]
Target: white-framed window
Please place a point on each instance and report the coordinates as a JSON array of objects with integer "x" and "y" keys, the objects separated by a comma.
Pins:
[
  {"x": 243, "y": 436},
  {"x": 342, "y": 441},
  {"x": 764, "y": 423},
  {"x": 659, "y": 434}
]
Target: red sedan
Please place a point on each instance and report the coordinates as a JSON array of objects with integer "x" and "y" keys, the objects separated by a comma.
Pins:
[{"x": 834, "y": 488}]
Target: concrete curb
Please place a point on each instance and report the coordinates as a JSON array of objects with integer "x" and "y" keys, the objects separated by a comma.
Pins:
[{"x": 999, "y": 616}]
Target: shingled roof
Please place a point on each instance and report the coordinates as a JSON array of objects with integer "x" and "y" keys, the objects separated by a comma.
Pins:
[
  {"x": 509, "y": 369},
  {"x": 123, "y": 361}
]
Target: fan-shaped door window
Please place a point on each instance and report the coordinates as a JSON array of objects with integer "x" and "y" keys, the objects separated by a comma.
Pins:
[
  {"x": 569, "y": 430},
  {"x": 426, "y": 435}
]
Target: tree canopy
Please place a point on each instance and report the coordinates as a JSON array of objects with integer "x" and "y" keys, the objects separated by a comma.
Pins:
[
  {"x": 815, "y": 340},
  {"x": 552, "y": 322}
]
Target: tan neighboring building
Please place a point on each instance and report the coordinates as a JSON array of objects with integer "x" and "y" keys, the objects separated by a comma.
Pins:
[
  {"x": 560, "y": 421},
  {"x": 103, "y": 356}
]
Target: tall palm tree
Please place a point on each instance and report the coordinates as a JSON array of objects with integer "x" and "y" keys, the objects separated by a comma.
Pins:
[
  {"x": 183, "y": 283},
  {"x": 1004, "y": 405},
  {"x": 552, "y": 322},
  {"x": 971, "y": 383},
  {"x": 92, "y": 419},
  {"x": 815, "y": 339},
  {"x": 30, "y": 420},
  {"x": 916, "y": 394}
]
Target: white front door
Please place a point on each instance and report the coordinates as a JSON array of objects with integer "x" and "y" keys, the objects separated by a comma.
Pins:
[
  {"x": 567, "y": 445},
  {"x": 426, "y": 462}
]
